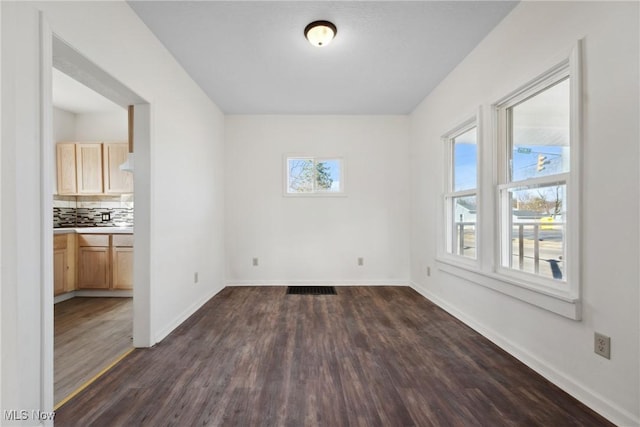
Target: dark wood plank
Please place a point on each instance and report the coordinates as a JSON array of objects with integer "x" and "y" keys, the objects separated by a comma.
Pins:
[
  {"x": 89, "y": 334},
  {"x": 369, "y": 356}
]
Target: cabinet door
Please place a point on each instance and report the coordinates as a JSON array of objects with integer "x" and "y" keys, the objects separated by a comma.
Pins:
[
  {"x": 93, "y": 267},
  {"x": 122, "y": 265},
  {"x": 59, "y": 271},
  {"x": 115, "y": 180},
  {"x": 66, "y": 168},
  {"x": 89, "y": 168},
  {"x": 71, "y": 262}
]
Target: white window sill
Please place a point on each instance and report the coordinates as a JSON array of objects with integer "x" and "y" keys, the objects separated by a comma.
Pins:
[
  {"x": 317, "y": 194},
  {"x": 555, "y": 302},
  {"x": 461, "y": 261}
]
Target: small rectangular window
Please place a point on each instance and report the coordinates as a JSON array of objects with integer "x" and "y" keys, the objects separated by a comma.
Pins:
[
  {"x": 461, "y": 200},
  {"x": 312, "y": 175}
]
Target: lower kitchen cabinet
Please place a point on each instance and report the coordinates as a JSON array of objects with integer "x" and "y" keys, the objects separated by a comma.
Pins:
[
  {"x": 105, "y": 262},
  {"x": 93, "y": 267},
  {"x": 122, "y": 261},
  {"x": 122, "y": 268},
  {"x": 64, "y": 274},
  {"x": 59, "y": 271}
]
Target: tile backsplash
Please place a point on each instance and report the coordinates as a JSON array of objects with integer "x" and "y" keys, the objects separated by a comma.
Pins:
[
  {"x": 64, "y": 217},
  {"x": 88, "y": 211}
]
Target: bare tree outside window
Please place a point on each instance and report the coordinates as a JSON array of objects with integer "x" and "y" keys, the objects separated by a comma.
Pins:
[
  {"x": 301, "y": 175},
  {"x": 312, "y": 175}
]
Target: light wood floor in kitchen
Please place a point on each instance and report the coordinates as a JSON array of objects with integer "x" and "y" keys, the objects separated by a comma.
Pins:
[{"x": 90, "y": 333}]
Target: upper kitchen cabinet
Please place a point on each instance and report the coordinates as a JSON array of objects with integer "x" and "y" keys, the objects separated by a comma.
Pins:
[
  {"x": 115, "y": 180},
  {"x": 89, "y": 168},
  {"x": 92, "y": 168},
  {"x": 66, "y": 168}
]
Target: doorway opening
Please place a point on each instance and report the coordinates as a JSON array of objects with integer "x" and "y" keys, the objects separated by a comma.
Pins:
[{"x": 100, "y": 265}]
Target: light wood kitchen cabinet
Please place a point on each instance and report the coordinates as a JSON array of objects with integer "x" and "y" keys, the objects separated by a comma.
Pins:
[
  {"x": 92, "y": 168},
  {"x": 115, "y": 180},
  {"x": 93, "y": 261},
  {"x": 66, "y": 168},
  {"x": 105, "y": 261},
  {"x": 89, "y": 168},
  {"x": 64, "y": 271},
  {"x": 122, "y": 261},
  {"x": 59, "y": 271}
]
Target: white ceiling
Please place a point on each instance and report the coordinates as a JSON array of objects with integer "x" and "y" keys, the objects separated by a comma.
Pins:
[
  {"x": 71, "y": 95},
  {"x": 252, "y": 58}
]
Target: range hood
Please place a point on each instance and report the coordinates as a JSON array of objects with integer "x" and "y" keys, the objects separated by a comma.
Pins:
[{"x": 127, "y": 166}]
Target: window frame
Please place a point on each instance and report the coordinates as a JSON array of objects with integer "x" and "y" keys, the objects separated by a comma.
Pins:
[
  {"x": 567, "y": 69},
  {"x": 493, "y": 160},
  {"x": 446, "y": 237},
  {"x": 315, "y": 192}
]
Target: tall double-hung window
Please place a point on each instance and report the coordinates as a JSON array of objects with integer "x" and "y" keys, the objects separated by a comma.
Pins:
[
  {"x": 511, "y": 208},
  {"x": 536, "y": 218},
  {"x": 461, "y": 193}
]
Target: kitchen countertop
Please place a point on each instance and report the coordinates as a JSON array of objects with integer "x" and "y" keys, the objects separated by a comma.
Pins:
[{"x": 94, "y": 230}]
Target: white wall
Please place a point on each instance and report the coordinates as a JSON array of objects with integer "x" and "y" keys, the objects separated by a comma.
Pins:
[
  {"x": 64, "y": 125},
  {"x": 21, "y": 189},
  {"x": 1, "y": 209},
  {"x": 515, "y": 52},
  {"x": 187, "y": 151},
  {"x": 104, "y": 126},
  {"x": 186, "y": 175},
  {"x": 305, "y": 239},
  {"x": 64, "y": 130}
]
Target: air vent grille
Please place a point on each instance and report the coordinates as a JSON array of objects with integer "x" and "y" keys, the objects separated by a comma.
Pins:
[{"x": 311, "y": 290}]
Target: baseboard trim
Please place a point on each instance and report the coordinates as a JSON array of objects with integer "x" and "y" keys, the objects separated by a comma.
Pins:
[
  {"x": 102, "y": 294},
  {"x": 318, "y": 282},
  {"x": 92, "y": 294},
  {"x": 164, "y": 332},
  {"x": 593, "y": 400},
  {"x": 64, "y": 297}
]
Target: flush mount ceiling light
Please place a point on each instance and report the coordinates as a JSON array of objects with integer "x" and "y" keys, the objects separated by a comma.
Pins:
[{"x": 320, "y": 33}]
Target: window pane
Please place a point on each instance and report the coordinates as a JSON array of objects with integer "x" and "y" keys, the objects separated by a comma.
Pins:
[
  {"x": 464, "y": 226},
  {"x": 328, "y": 175},
  {"x": 540, "y": 134},
  {"x": 300, "y": 175},
  {"x": 537, "y": 236},
  {"x": 465, "y": 161}
]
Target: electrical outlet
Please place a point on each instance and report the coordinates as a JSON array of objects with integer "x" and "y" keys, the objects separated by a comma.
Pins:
[
  {"x": 429, "y": 271},
  {"x": 360, "y": 261},
  {"x": 255, "y": 262},
  {"x": 602, "y": 345},
  {"x": 195, "y": 277},
  {"x": 106, "y": 216}
]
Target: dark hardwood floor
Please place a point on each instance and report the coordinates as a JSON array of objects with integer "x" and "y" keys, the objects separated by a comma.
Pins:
[
  {"x": 89, "y": 334},
  {"x": 369, "y": 356}
]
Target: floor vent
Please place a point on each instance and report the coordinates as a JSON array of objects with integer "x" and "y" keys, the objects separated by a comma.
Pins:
[{"x": 311, "y": 290}]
